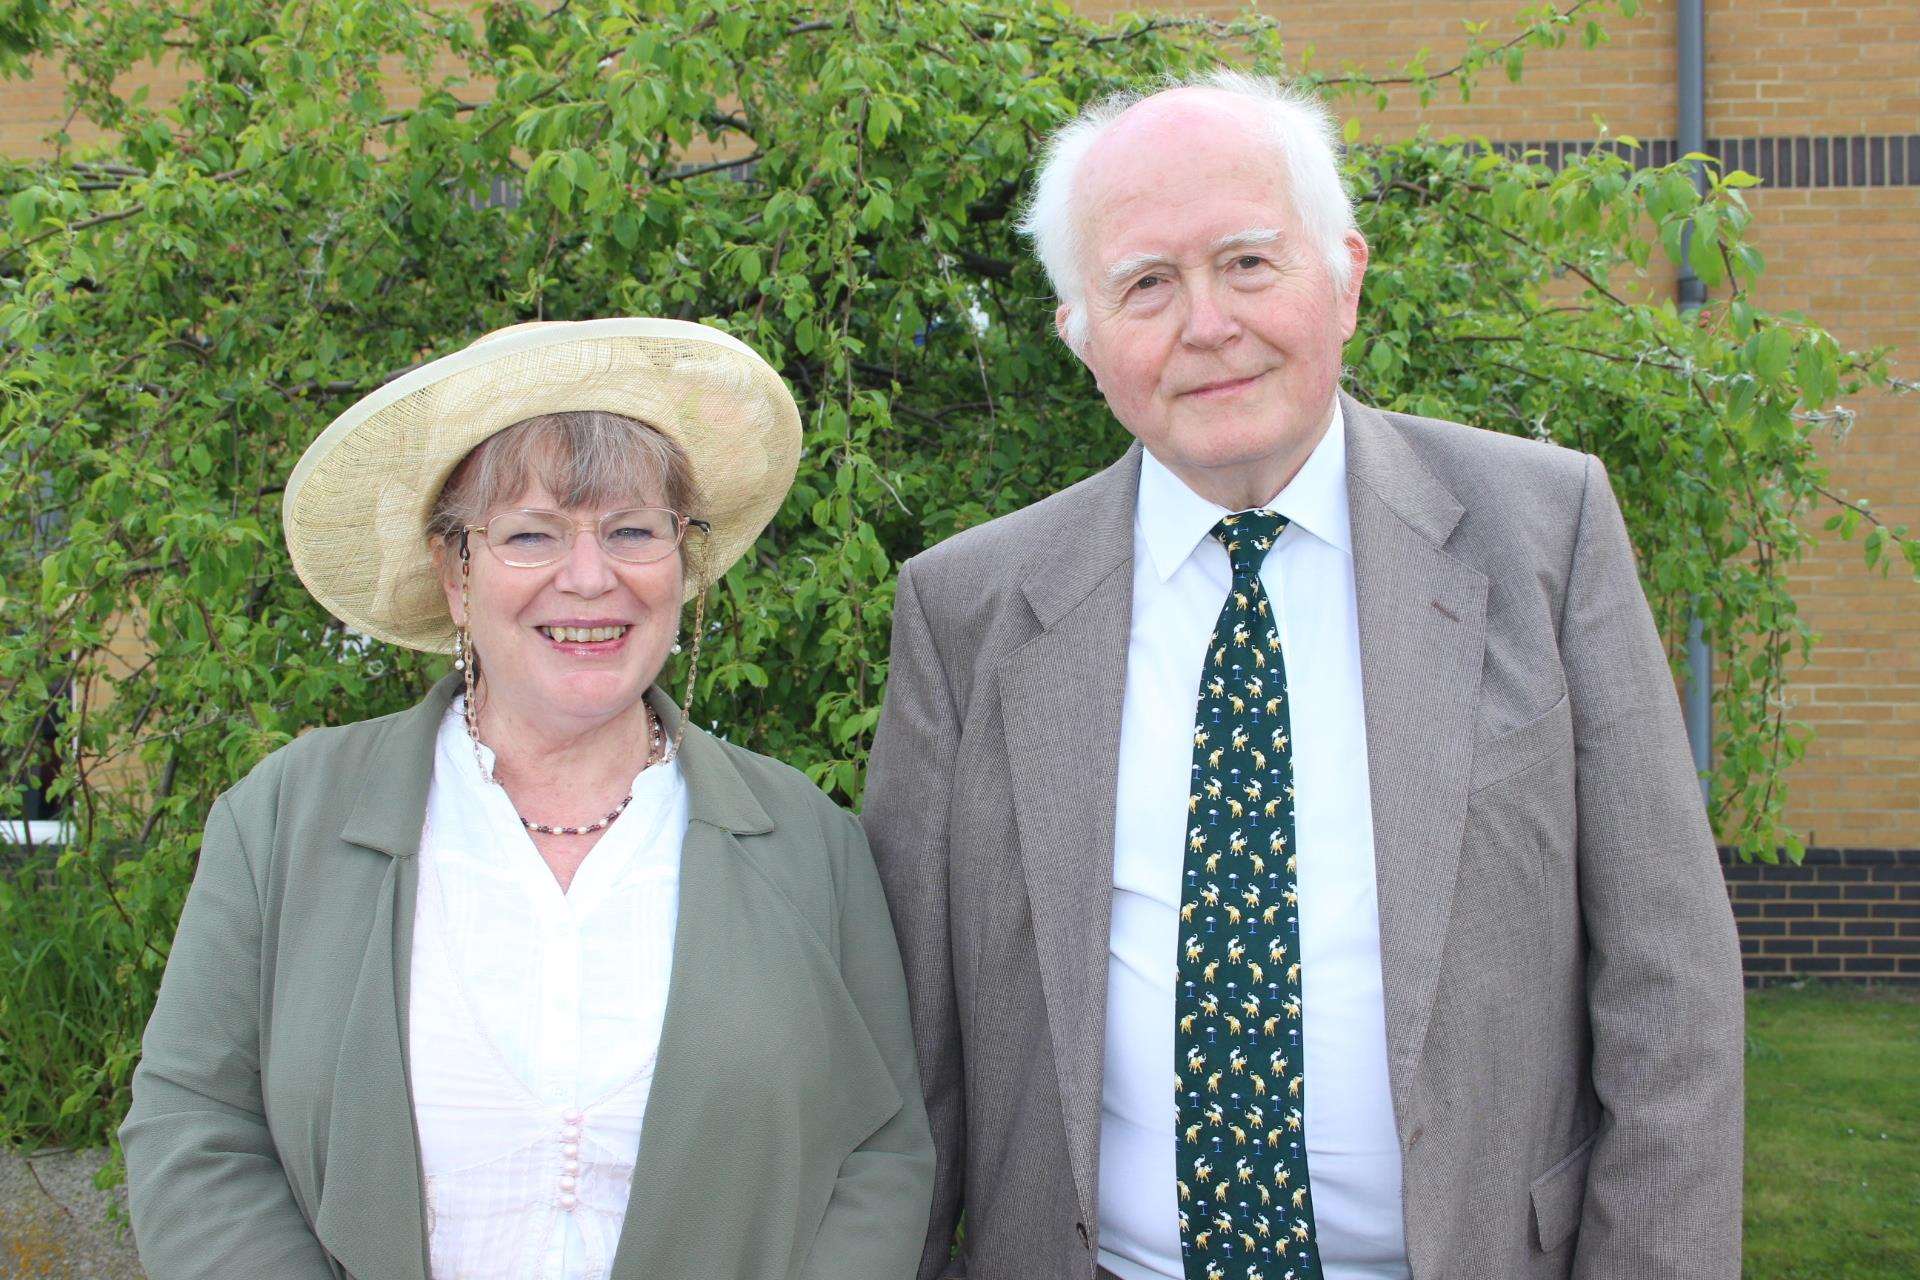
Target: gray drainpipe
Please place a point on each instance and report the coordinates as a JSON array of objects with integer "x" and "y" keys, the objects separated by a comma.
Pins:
[{"x": 1693, "y": 293}]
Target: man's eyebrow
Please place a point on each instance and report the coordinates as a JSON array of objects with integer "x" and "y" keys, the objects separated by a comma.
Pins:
[
  {"x": 1125, "y": 269},
  {"x": 1251, "y": 238}
]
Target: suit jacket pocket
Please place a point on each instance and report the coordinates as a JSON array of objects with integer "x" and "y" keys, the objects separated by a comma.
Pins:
[
  {"x": 1559, "y": 1195},
  {"x": 1501, "y": 757}
]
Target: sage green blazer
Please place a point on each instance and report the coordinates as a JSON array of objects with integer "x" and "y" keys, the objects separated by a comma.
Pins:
[{"x": 272, "y": 1130}]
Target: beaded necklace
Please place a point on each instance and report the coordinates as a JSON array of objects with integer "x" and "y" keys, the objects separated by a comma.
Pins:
[{"x": 656, "y": 750}]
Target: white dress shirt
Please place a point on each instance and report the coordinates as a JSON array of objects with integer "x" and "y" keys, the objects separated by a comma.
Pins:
[
  {"x": 1180, "y": 580},
  {"x": 534, "y": 1021}
]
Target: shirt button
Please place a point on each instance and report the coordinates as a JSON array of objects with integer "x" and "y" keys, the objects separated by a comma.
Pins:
[
  {"x": 567, "y": 1184},
  {"x": 571, "y": 1117},
  {"x": 567, "y": 1203},
  {"x": 570, "y": 1147}
]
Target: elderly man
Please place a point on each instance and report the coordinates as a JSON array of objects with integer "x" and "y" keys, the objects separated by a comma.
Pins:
[{"x": 1290, "y": 830}]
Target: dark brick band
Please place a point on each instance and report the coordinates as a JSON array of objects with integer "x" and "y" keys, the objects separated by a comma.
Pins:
[
  {"x": 1833, "y": 160},
  {"x": 1851, "y": 915}
]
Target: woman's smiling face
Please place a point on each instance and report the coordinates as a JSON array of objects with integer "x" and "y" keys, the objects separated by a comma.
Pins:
[{"x": 573, "y": 643}]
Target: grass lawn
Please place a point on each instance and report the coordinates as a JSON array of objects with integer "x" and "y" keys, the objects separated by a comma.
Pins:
[{"x": 1833, "y": 1134}]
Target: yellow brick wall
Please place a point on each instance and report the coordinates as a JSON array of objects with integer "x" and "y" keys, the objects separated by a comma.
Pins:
[
  {"x": 1778, "y": 69},
  {"x": 1847, "y": 258},
  {"x": 1773, "y": 66},
  {"x": 1813, "y": 66}
]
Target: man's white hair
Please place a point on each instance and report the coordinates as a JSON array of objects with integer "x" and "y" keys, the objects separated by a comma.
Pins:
[{"x": 1297, "y": 125}]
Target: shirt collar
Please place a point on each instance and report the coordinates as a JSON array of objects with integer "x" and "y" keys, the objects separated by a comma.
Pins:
[
  {"x": 1174, "y": 519},
  {"x": 459, "y": 761}
]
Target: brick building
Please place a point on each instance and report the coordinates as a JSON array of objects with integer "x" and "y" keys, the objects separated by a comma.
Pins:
[{"x": 1822, "y": 101}]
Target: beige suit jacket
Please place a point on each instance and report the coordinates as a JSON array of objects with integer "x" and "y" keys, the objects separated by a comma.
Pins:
[{"x": 1562, "y": 978}]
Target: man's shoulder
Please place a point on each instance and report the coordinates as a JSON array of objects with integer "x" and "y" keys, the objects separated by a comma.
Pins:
[{"x": 1521, "y": 499}]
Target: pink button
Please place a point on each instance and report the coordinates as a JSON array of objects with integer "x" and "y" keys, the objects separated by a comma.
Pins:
[
  {"x": 567, "y": 1203},
  {"x": 566, "y": 1184},
  {"x": 570, "y": 1146},
  {"x": 571, "y": 1117},
  {"x": 572, "y": 1168}
]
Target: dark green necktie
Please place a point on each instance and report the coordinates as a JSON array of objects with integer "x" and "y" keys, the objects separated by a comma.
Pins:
[{"x": 1241, "y": 1153}]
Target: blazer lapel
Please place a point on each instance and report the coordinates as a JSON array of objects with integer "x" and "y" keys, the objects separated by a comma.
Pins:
[
  {"x": 1422, "y": 619},
  {"x": 1061, "y": 697},
  {"x": 371, "y": 1217},
  {"x": 674, "y": 1140}
]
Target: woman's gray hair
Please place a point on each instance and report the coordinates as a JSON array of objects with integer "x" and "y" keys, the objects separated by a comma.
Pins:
[
  {"x": 584, "y": 458},
  {"x": 1298, "y": 125}
]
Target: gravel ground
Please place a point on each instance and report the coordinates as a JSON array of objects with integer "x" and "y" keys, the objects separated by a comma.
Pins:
[{"x": 55, "y": 1226}]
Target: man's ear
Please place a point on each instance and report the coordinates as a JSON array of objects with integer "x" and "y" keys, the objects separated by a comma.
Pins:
[
  {"x": 1063, "y": 325},
  {"x": 1357, "y": 257}
]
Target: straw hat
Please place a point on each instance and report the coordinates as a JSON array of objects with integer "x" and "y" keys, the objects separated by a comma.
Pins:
[{"x": 356, "y": 506}]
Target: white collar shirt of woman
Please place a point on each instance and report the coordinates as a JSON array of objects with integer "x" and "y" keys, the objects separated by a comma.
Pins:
[{"x": 535, "y": 1014}]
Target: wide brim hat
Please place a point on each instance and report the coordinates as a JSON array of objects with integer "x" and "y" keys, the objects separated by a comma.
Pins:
[{"x": 356, "y": 507}]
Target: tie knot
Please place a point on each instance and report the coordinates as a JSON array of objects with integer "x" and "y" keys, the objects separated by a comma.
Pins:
[{"x": 1248, "y": 536}]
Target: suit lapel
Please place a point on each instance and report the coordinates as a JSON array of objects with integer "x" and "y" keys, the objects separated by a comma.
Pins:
[
  {"x": 1061, "y": 697},
  {"x": 1422, "y": 620},
  {"x": 371, "y": 1216}
]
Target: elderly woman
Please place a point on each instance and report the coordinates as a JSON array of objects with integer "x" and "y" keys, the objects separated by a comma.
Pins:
[{"x": 535, "y": 979}]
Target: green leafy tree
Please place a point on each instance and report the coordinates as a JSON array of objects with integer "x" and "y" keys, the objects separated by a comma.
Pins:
[{"x": 347, "y": 188}]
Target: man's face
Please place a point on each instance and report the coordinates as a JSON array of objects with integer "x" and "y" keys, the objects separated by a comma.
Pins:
[{"x": 1212, "y": 325}]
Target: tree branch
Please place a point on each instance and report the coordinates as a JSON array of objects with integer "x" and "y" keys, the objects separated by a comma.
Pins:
[
  {"x": 1470, "y": 60},
  {"x": 1860, "y": 510},
  {"x": 100, "y": 219},
  {"x": 716, "y": 167}
]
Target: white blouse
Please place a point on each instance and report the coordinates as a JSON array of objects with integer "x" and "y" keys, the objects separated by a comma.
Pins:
[{"x": 534, "y": 1021}]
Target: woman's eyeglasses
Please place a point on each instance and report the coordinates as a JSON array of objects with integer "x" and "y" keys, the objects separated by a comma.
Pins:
[{"x": 530, "y": 538}]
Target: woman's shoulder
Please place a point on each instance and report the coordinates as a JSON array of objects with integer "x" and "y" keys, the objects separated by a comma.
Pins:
[
  {"x": 782, "y": 790},
  {"x": 323, "y": 766},
  {"x": 798, "y": 831}
]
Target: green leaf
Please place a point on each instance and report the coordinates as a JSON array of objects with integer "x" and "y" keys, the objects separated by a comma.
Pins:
[
  {"x": 882, "y": 116},
  {"x": 25, "y": 211},
  {"x": 1817, "y": 372},
  {"x": 1703, "y": 249},
  {"x": 1769, "y": 353},
  {"x": 1381, "y": 358}
]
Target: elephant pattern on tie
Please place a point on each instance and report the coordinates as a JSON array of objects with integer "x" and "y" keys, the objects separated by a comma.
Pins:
[{"x": 1246, "y": 1208}]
